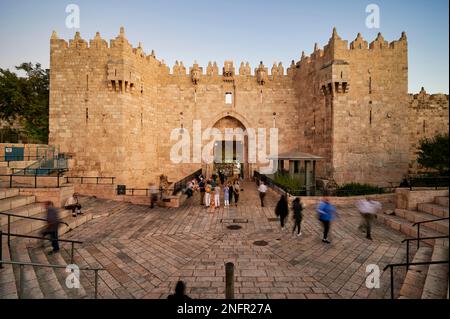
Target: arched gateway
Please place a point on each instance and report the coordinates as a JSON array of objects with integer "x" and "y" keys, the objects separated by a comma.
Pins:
[{"x": 231, "y": 149}]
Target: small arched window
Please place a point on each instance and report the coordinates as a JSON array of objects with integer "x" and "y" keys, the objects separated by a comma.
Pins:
[{"x": 228, "y": 98}]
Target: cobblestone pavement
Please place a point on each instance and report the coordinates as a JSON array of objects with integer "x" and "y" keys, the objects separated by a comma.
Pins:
[{"x": 146, "y": 251}]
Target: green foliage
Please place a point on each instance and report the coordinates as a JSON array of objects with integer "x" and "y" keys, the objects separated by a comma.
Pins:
[
  {"x": 433, "y": 153},
  {"x": 355, "y": 189},
  {"x": 290, "y": 184},
  {"x": 26, "y": 99}
]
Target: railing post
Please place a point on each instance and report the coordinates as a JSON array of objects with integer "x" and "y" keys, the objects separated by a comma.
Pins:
[
  {"x": 96, "y": 283},
  {"x": 229, "y": 280},
  {"x": 407, "y": 255},
  {"x": 392, "y": 282},
  {"x": 71, "y": 253},
  {"x": 9, "y": 230},
  {"x": 21, "y": 281},
  {"x": 10, "y": 181},
  {"x": 97, "y": 180},
  {"x": 35, "y": 179},
  {"x": 81, "y": 179},
  {"x": 58, "y": 179},
  {"x": 418, "y": 236},
  {"x": 1, "y": 247}
]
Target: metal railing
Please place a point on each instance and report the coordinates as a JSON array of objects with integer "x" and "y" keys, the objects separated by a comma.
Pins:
[
  {"x": 407, "y": 240},
  {"x": 90, "y": 180},
  {"x": 9, "y": 234},
  {"x": 424, "y": 222},
  {"x": 391, "y": 266},
  {"x": 23, "y": 264},
  {"x": 37, "y": 171},
  {"x": 25, "y": 158},
  {"x": 9, "y": 183},
  {"x": 181, "y": 184}
]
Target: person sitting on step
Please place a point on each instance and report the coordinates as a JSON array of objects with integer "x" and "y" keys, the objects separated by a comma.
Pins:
[{"x": 73, "y": 204}]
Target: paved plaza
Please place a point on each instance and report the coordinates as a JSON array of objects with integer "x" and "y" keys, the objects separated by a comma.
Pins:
[{"x": 146, "y": 251}]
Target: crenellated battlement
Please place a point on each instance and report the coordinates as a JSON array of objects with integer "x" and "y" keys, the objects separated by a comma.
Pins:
[
  {"x": 423, "y": 100},
  {"x": 337, "y": 47}
]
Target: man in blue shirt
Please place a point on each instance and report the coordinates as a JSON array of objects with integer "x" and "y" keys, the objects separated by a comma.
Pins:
[{"x": 327, "y": 213}]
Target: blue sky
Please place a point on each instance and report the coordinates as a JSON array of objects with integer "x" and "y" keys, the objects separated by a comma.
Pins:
[{"x": 235, "y": 30}]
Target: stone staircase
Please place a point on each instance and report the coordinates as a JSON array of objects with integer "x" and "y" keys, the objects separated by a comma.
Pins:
[
  {"x": 424, "y": 281},
  {"x": 39, "y": 282}
]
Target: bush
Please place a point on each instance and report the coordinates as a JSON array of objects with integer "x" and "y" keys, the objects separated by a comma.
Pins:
[
  {"x": 433, "y": 153},
  {"x": 355, "y": 189},
  {"x": 294, "y": 186}
]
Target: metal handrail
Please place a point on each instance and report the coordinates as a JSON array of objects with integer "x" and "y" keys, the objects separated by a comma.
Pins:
[
  {"x": 407, "y": 240},
  {"x": 424, "y": 222},
  {"x": 391, "y": 266},
  {"x": 73, "y": 242},
  {"x": 35, "y": 176},
  {"x": 97, "y": 178},
  {"x": 22, "y": 264}
]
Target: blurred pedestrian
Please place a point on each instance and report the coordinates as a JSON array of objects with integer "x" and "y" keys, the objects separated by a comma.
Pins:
[
  {"x": 327, "y": 213},
  {"x": 368, "y": 209},
  {"x": 282, "y": 210},
  {"x": 217, "y": 196},
  {"x": 236, "y": 190},
  {"x": 226, "y": 195},
  {"x": 297, "y": 207},
  {"x": 262, "y": 189},
  {"x": 52, "y": 226},
  {"x": 153, "y": 194}
]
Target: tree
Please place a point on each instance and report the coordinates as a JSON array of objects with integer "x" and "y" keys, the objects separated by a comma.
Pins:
[
  {"x": 433, "y": 153},
  {"x": 26, "y": 99}
]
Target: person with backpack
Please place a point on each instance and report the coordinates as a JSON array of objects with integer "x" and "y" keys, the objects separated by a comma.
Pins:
[
  {"x": 282, "y": 210},
  {"x": 297, "y": 207},
  {"x": 327, "y": 213}
]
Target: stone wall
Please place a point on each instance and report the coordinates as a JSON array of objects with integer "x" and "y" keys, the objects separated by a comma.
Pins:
[
  {"x": 407, "y": 199},
  {"x": 114, "y": 108},
  {"x": 428, "y": 116}
]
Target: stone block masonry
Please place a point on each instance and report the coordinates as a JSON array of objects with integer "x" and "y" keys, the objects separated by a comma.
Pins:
[{"x": 113, "y": 107}]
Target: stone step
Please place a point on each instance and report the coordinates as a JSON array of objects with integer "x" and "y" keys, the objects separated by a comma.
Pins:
[
  {"x": 8, "y": 192},
  {"x": 50, "y": 286},
  {"x": 33, "y": 227},
  {"x": 31, "y": 290},
  {"x": 406, "y": 227},
  {"x": 441, "y": 200},
  {"x": 28, "y": 211},
  {"x": 415, "y": 216},
  {"x": 436, "y": 283},
  {"x": 61, "y": 274},
  {"x": 412, "y": 287},
  {"x": 433, "y": 209},
  {"x": 9, "y": 203},
  {"x": 8, "y": 289}
]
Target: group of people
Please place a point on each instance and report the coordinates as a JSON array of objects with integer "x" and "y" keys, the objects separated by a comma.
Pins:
[
  {"x": 326, "y": 213},
  {"x": 210, "y": 191}
]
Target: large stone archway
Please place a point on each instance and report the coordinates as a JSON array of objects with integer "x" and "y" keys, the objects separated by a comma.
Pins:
[{"x": 233, "y": 139}]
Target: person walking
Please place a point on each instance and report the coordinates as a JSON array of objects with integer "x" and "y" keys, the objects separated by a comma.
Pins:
[
  {"x": 327, "y": 213},
  {"x": 230, "y": 187},
  {"x": 297, "y": 207},
  {"x": 208, "y": 190},
  {"x": 368, "y": 209},
  {"x": 153, "y": 195},
  {"x": 201, "y": 187},
  {"x": 262, "y": 189},
  {"x": 281, "y": 210},
  {"x": 52, "y": 226},
  {"x": 217, "y": 196},
  {"x": 226, "y": 196},
  {"x": 237, "y": 190}
]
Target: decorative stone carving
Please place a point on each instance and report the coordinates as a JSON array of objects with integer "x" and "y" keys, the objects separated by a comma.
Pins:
[{"x": 228, "y": 71}]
